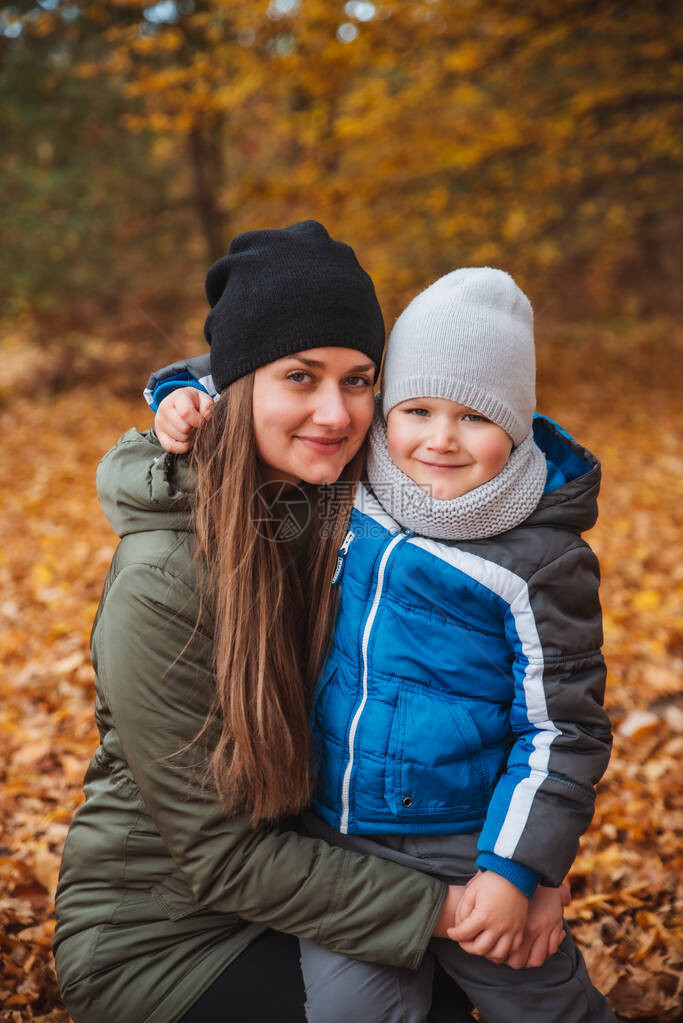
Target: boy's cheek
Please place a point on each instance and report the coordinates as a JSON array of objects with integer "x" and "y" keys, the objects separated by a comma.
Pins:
[{"x": 399, "y": 438}]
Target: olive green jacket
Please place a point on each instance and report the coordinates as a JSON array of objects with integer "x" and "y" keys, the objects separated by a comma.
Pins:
[{"x": 159, "y": 889}]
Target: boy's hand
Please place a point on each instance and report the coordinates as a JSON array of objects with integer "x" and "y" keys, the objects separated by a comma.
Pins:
[
  {"x": 490, "y": 917},
  {"x": 544, "y": 932},
  {"x": 447, "y": 915},
  {"x": 179, "y": 415}
]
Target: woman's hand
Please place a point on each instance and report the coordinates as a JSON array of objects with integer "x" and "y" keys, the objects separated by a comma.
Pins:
[
  {"x": 179, "y": 416},
  {"x": 544, "y": 932},
  {"x": 447, "y": 916}
]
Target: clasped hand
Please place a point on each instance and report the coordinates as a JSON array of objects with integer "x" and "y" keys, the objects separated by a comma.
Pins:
[{"x": 492, "y": 918}]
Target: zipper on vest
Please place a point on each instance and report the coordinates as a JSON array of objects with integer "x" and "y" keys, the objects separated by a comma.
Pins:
[
  {"x": 367, "y": 631},
  {"x": 341, "y": 556}
]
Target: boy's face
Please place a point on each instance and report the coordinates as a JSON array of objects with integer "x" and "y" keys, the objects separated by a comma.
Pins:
[{"x": 445, "y": 446}]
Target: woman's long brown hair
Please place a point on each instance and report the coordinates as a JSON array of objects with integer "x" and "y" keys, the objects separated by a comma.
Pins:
[{"x": 273, "y": 610}]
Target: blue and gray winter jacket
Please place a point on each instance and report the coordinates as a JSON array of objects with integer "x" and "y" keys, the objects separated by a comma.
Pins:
[{"x": 464, "y": 685}]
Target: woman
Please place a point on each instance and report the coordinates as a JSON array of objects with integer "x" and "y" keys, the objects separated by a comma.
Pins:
[{"x": 182, "y": 880}]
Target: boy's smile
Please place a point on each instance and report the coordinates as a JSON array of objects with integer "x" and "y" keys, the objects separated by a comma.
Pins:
[{"x": 445, "y": 447}]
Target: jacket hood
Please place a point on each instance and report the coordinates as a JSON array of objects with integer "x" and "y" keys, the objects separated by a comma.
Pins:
[
  {"x": 570, "y": 498},
  {"x": 142, "y": 487}
]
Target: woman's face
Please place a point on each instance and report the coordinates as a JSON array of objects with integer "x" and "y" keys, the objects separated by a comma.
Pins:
[{"x": 312, "y": 411}]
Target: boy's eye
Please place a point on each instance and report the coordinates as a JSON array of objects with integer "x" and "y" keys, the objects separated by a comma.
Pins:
[
  {"x": 358, "y": 381},
  {"x": 474, "y": 417},
  {"x": 417, "y": 411}
]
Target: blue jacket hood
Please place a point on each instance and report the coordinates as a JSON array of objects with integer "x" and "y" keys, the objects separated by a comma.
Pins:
[{"x": 570, "y": 498}]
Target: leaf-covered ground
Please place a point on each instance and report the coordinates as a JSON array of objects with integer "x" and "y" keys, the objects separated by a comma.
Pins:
[{"x": 616, "y": 389}]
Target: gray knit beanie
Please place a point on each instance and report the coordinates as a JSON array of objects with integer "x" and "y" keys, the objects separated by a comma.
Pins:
[{"x": 469, "y": 337}]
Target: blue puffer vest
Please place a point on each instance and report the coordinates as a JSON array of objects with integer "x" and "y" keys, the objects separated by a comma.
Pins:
[{"x": 406, "y": 742}]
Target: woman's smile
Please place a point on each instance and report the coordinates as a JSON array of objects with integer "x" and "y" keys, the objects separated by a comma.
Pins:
[{"x": 326, "y": 445}]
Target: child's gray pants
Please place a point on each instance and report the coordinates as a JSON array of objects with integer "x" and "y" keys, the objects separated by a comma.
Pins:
[{"x": 340, "y": 989}]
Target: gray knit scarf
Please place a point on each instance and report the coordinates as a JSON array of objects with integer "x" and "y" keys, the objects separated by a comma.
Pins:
[{"x": 494, "y": 507}]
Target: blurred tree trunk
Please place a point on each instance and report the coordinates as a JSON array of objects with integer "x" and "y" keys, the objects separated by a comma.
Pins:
[{"x": 205, "y": 144}]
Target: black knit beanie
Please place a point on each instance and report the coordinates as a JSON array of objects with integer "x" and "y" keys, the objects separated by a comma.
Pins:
[{"x": 279, "y": 292}]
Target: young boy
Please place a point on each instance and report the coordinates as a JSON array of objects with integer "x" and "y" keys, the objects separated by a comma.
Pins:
[{"x": 458, "y": 717}]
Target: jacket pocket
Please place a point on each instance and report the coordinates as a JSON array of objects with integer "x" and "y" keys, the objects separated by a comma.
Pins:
[
  {"x": 437, "y": 754},
  {"x": 329, "y": 721},
  {"x": 175, "y": 899},
  {"x": 323, "y": 720}
]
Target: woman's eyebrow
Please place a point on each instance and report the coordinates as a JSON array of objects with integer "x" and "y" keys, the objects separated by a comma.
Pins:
[{"x": 321, "y": 365}]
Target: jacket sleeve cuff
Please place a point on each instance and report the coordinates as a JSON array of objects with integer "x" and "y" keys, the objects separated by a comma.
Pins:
[
  {"x": 517, "y": 874},
  {"x": 164, "y": 387}
]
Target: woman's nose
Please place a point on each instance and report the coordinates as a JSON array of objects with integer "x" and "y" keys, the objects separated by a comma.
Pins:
[{"x": 331, "y": 410}]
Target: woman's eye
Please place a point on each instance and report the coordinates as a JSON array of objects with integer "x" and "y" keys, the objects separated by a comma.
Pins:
[{"x": 297, "y": 376}]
